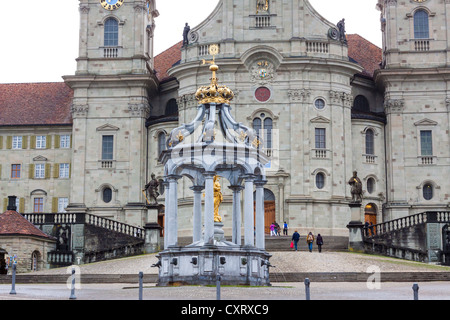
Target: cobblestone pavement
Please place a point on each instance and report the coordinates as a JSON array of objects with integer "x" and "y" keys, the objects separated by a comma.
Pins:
[{"x": 284, "y": 262}]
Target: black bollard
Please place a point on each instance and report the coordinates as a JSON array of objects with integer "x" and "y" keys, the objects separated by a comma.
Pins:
[
  {"x": 13, "y": 285},
  {"x": 218, "y": 288},
  {"x": 72, "y": 290},
  {"x": 141, "y": 285},
  {"x": 416, "y": 291},
  {"x": 307, "y": 291}
]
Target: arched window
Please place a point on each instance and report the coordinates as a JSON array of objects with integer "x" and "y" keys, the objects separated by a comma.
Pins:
[
  {"x": 370, "y": 149},
  {"x": 421, "y": 25},
  {"x": 268, "y": 126},
  {"x": 428, "y": 191},
  {"x": 370, "y": 185},
  {"x": 264, "y": 129},
  {"x": 107, "y": 195},
  {"x": 161, "y": 142},
  {"x": 171, "y": 108},
  {"x": 361, "y": 104},
  {"x": 111, "y": 33},
  {"x": 320, "y": 180}
]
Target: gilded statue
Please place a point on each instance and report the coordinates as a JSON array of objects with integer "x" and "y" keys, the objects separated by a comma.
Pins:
[
  {"x": 218, "y": 198},
  {"x": 262, "y": 5}
]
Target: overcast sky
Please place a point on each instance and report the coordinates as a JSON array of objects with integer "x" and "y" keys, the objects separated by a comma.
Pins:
[{"x": 39, "y": 43}]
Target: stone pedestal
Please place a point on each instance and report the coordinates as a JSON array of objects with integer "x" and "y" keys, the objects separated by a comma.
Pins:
[
  {"x": 152, "y": 229},
  {"x": 152, "y": 238},
  {"x": 355, "y": 227}
]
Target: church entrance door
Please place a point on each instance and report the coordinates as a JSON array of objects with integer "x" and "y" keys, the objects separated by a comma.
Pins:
[{"x": 269, "y": 210}]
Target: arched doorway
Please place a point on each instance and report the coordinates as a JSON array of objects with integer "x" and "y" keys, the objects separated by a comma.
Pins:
[
  {"x": 269, "y": 209},
  {"x": 370, "y": 214},
  {"x": 35, "y": 259}
]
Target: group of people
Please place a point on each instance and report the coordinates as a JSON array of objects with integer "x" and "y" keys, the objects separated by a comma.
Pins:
[
  {"x": 309, "y": 241},
  {"x": 275, "y": 229}
]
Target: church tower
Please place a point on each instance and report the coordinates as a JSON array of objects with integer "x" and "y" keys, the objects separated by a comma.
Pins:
[
  {"x": 415, "y": 78},
  {"x": 112, "y": 86}
]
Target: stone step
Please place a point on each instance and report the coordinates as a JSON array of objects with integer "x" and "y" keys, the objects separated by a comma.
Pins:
[
  {"x": 274, "y": 277},
  {"x": 282, "y": 243}
]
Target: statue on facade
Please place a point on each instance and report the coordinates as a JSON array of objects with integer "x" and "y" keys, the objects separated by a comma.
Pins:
[
  {"x": 341, "y": 27},
  {"x": 262, "y": 5},
  {"x": 151, "y": 190},
  {"x": 186, "y": 30},
  {"x": 356, "y": 188},
  {"x": 218, "y": 198}
]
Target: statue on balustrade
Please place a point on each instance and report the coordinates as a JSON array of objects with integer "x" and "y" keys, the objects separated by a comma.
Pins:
[
  {"x": 356, "y": 188},
  {"x": 151, "y": 191}
]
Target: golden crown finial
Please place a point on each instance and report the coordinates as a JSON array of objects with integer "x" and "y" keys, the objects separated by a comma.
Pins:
[{"x": 213, "y": 93}]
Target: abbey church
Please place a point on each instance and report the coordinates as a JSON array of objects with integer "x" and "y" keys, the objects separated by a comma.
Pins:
[{"x": 327, "y": 104}]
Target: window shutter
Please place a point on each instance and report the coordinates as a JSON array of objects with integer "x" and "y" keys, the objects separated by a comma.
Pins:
[
  {"x": 22, "y": 205},
  {"x": 31, "y": 171},
  {"x": 48, "y": 142},
  {"x": 57, "y": 141},
  {"x": 0, "y": 171},
  {"x": 5, "y": 204},
  {"x": 9, "y": 142},
  {"x": 24, "y": 142},
  {"x": 1, "y": 142},
  {"x": 33, "y": 142},
  {"x": 48, "y": 168},
  {"x": 55, "y": 205},
  {"x": 56, "y": 170},
  {"x": 70, "y": 170},
  {"x": 70, "y": 141}
]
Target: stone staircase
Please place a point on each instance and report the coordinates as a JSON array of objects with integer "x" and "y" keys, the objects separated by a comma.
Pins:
[{"x": 282, "y": 243}]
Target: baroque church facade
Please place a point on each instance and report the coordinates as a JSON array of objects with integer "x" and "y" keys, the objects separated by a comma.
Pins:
[{"x": 326, "y": 104}]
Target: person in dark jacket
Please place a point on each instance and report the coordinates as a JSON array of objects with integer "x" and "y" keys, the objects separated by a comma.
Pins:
[
  {"x": 295, "y": 239},
  {"x": 319, "y": 241}
]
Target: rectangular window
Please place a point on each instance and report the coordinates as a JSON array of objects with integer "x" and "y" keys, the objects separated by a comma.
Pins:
[
  {"x": 38, "y": 205},
  {"x": 64, "y": 170},
  {"x": 17, "y": 142},
  {"x": 62, "y": 204},
  {"x": 426, "y": 143},
  {"x": 15, "y": 171},
  {"x": 39, "y": 171},
  {"x": 320, "y": 138},
  {"x": 107, "y": 147},
  {"x": 41, "y": 142},
  {"x": 64, "y": 141}
]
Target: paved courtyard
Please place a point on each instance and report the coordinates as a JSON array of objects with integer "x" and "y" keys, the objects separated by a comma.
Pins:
[{"x": 284, "y": 262}]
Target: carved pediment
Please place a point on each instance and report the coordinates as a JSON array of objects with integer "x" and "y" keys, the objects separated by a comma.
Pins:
[
  {"x": 108, "y": 127},
  {"x": 425, "y": 122},
  {"x": 40, "y": 158},
  {"x": 320, "y": 119}
]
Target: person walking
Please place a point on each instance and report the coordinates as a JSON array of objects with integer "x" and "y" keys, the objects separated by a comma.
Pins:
[
  {"x": 310, "y": 241},
  {"x": 272, "y": 229},
  {"x": 295, "y": 239},
  {"x": 285, "y": 229},
  {"x": 319, "y": 241}
]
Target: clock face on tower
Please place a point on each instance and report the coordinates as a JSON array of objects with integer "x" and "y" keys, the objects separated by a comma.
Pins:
[{"x": 111, "y": 4}]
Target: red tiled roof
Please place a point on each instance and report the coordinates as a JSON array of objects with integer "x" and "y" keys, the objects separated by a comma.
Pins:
[
  {"x": 365, "y": 53},
  {"x": 35, "y": 104},
  {"x": 13, "y": 224},
  {"x": 165, "y": 60}
]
